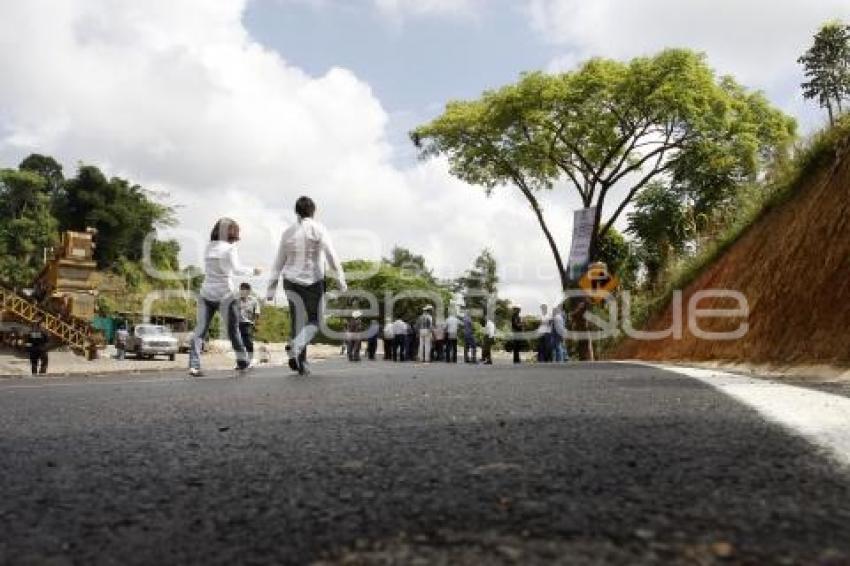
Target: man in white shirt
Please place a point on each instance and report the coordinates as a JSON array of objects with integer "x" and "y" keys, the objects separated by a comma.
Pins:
[
  {"x": 400, "y": 332},
  {"x": 452, "y": 325},
  {"x": 304, "y": 248},
  {"x": 489, "y": 338},
  {"x": 559, "y": 333},
  {"x": 544, "y": 336},
  {"x": 425, "y": 324},
  {"x": 389, "y": 339}
]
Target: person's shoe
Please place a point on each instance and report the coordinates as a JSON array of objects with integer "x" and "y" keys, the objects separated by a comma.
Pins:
[
  {"x": 195, "y": 372},
  {"x": 303, "y": 368},
  {"x": 293, "y": 365}
]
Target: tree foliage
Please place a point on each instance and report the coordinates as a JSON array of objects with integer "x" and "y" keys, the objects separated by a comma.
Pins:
[
  {"x": 826, "y": 65},
  {"x": 26, "y": 226},
  {"x": 409, "y": 262},
  {"x": 609, "y": 124},
  {"x": 123, "y": 213},
  {"x": 385, "y": 278}
]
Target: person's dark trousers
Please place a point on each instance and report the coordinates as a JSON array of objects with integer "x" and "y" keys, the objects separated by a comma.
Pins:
[
  {"x": 354, "y": 350},
  {"x": 439, "y": 346},
  {"x": 486, "y": 350},
  {"x": 551, "y": 338},
  {"x": 413, "y": 351},
  {"x": 516, "y": 351},
  {"x": 451, "y": 350},
  {"x": 305, "y": 303},
  {"x": 38, "y": 361},
  {"x": 398, "y": 349},
  {"x": 388, "y": 349},
  {"x": 543, "y": 354},
  {"x": 467, "y": 346},
  {"x": 372, "y": 348},
  {"x": 246, "y": 330}
]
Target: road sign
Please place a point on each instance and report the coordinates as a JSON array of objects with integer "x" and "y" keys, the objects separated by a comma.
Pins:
[
  {"x": 598, "y": 282},
  {"x": 583, "y": 220}
]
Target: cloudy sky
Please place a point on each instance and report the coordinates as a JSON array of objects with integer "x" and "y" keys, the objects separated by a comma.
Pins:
[{"x": 239, "y": 106}]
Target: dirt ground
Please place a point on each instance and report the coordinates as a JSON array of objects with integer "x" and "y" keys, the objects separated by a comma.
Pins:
[{"x": 793, "y": 267}]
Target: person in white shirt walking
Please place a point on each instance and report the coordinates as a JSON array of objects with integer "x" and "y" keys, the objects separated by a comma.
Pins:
[
  {"x": 389, "y": 340},
  {"x": 559, "y": 334},
  {"x": 425, "y": 325},
  {"x": 489, "y": 339},
  {"x": 452, "y": 325},
  {"x": 304, "y": 248},
  {"x": 400, "y": 333},
  {"x": 221, "y": 263}
]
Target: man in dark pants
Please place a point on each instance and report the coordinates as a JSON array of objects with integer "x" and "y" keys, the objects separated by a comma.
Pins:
[
  {"x": 452, "y": 326},
  {"x": 372, "y": 339},
  {"x": 300, "y": 261},
  {"x": 249, "y": 313},
  {"x": 516, "y": 327},
  {"x": 469, "y": 342},
  {"x": 353, "y": 332},
  {"x": 37, "y": 347},
  {"x": 389, "y": 340},
  {"x": 399, "y": 340}
]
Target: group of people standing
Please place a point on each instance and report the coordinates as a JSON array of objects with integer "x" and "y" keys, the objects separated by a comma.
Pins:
[
  {"x": 425, "y": 339},
  {"x": 550, "y": 335}
]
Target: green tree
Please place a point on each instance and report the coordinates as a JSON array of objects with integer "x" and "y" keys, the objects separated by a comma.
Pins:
[
  {"x": 483, "y": 278},
  {"x": 608, "y": 124},
  {"x": 124, "y": 214},
  {"x": 826, "y": 65},
  {"x": 617, "y": 254},
  {"x": 409, "y": 262},
  {"x": 26, "y": 226},
  {"x": 386, "y": 278},
  {"x": 49, "y": 169},
  {"x": 660, "y": 225}
]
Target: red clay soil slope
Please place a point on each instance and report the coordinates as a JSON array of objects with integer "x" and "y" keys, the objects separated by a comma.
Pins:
[{"x": 793, "y": 266}]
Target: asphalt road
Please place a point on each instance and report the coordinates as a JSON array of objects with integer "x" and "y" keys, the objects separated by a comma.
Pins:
[{"x": 381, "y": 463}]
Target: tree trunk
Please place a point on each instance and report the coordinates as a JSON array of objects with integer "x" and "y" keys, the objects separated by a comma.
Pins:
[
  {"x": 535, "y": 206},
  {"x": 585, "y": 347}
]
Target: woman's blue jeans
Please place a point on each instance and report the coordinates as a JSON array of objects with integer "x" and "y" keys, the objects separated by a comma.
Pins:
[{"x": 230, "y": 320}]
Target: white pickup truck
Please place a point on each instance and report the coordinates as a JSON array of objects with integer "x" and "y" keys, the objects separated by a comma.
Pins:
[{"x": 149, "y": 340}]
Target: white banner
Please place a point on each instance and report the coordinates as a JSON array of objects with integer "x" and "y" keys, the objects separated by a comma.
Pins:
[{"x": 583, "y": 219}]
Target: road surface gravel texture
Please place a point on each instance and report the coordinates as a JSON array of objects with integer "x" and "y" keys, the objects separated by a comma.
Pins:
[{"x": 382, "y": 463}]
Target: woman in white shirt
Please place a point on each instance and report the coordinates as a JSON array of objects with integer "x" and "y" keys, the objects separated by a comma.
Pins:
[
  {"x": 221, "y": 262},
  {"x": 304, "y": 248}
]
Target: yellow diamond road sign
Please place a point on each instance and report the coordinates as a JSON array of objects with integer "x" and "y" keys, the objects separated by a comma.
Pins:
[{"x": 598, "y": 283}]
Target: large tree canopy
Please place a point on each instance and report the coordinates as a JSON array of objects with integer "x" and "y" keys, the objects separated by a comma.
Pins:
[
  {"x": 610, "y": 124},
  {"x": 123, "y": 213}
]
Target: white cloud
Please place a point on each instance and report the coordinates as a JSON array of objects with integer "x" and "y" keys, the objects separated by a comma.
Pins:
[
  {"x": 758, "y": 41},
  {"x": 398, "y": 9},
  {"x": 177, "y": 96}
]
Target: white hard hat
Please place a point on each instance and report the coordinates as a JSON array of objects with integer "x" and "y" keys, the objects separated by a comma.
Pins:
[{"x": 356, "y": 314}]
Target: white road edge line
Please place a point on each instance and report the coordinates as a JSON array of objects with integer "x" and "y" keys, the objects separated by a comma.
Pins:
[{"x": 822, "y": 418}]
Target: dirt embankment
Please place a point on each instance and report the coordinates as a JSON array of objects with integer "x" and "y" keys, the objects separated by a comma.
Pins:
[{"x": 793, "y": 267}]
